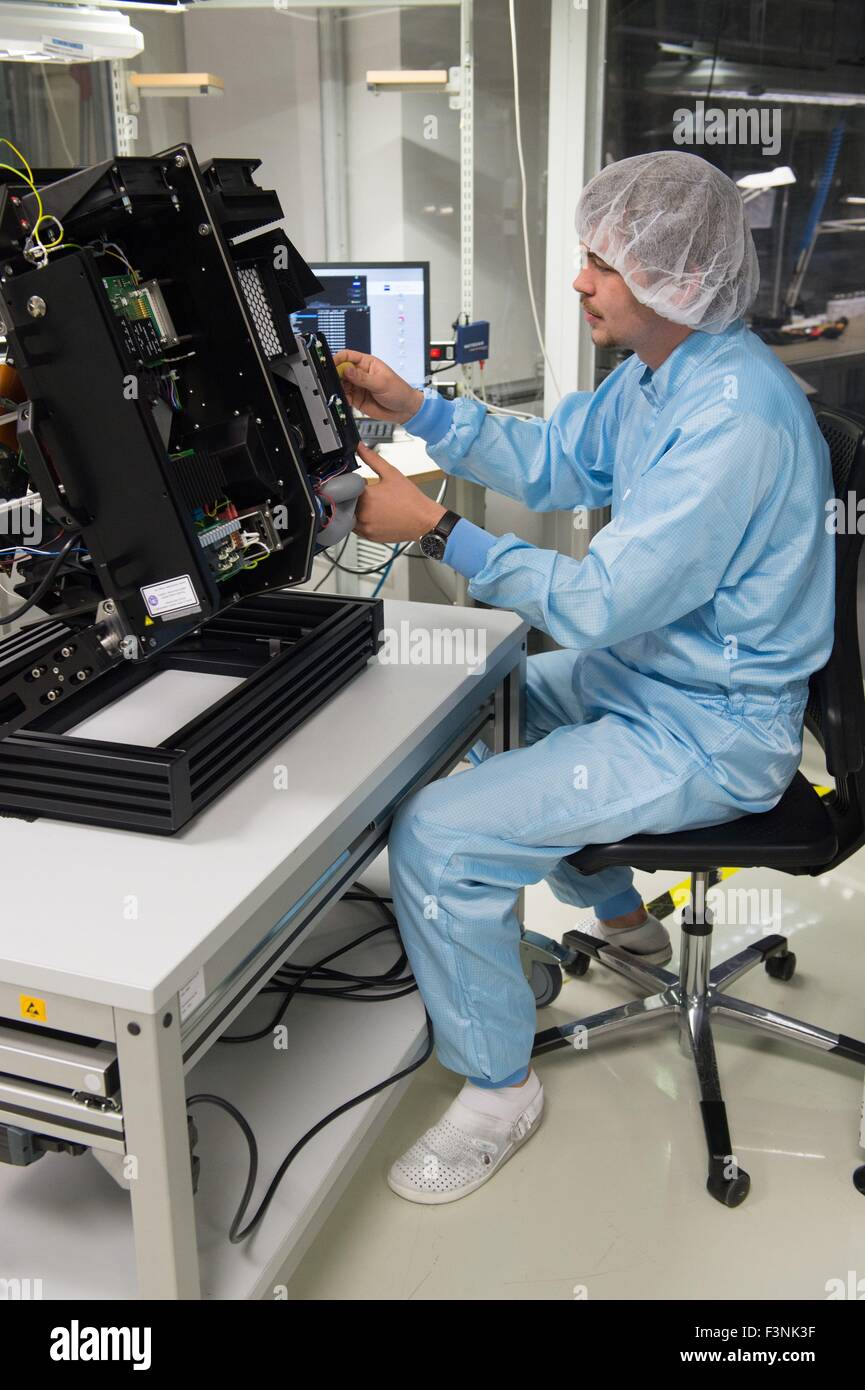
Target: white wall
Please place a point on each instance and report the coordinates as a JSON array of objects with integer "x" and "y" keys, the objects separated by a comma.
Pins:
[
  {"x": 431, "y": 182},
  {"x": 164, "y": 121},
  {"x": 271, "y": 108},
  {"x": 430, "y": 38},
  {"x": 269, "y": 62},
  {"x": 374, "y": 141}
]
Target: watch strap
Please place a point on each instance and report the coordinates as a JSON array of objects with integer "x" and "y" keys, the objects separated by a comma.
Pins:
[{"x": 446, "y": 524}]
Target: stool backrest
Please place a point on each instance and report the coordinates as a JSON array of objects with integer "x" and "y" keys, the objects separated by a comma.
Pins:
[{"x": 836, "y": 705}]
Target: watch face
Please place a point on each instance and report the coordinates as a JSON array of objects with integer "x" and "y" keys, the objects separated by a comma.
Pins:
[{"x": 432, "y": 546}]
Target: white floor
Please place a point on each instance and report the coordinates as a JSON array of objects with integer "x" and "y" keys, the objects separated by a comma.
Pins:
[{"x": 607, "y": 1200}]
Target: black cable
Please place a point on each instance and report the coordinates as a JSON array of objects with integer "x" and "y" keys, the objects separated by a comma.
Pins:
[
  {"x": 345, "y": 984},
  {"x": 293, "y": 987},
  {"x": 359, "y": 998},
  {"x": 334, "y": 563},
  {"x": 377, "y": 569},
  {"x": 235, "y": 1235},
  {"x": 45, "y": 584},
  {"x": 344, "y": 979},
  {"x": 62, "y": 614},
  {"x": 232, "y": 1110},
  {"x": 288, "y": 971},
  {"x": 360, "y": 893},
  {"x": 386, "y": 564}
]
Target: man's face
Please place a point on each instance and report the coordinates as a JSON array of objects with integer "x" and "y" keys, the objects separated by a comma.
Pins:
[{"x": 615, "y": 317}]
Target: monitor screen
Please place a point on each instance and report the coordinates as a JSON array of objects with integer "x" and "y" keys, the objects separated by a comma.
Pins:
[{"x": 373, "y": 307}]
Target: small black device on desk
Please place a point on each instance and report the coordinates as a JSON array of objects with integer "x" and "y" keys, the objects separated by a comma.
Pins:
[{"x": 375, "y": 431}]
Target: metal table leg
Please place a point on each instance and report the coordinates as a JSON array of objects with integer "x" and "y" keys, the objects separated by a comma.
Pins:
[
  {"x": 154, "y": 1110},
  {"x": 469, "y": 499},
  {"x": 509, "y": 717},
  {"x": 509, "y": 730}
]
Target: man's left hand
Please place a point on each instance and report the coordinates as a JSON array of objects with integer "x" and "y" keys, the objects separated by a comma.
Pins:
[{"x": 393, "y": 509}]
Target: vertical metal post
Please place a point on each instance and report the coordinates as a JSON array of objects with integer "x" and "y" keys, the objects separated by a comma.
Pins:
[
  {"x": 465, "y": 103},
  {"x": 509, "y": 729},
  {"x": 509, "y": 708},
  {"x": 125, "y": 122},
  {"x": 467, "y": 161},
  {"x": 696, "y": 949},
  {"x": 574, "y": 155},
  {"x": 779, "y": 256},
  {"x": 331, "y": 67},
  {"x": 154, "y": 1116}
]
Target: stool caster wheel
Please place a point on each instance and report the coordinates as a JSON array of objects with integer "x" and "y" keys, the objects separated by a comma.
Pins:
[
  {"x": 730, "y": 1192},
  {"x": 781, "y": 967},
  {"x": 546, "y": 983},
  {"x": 578, "y": 966},
  {"x": 859, "y": 1179}
]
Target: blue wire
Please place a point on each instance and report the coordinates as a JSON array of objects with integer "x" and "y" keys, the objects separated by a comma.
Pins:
[
  {"x": 386, "y": 571},
  {"x": 32, "y": 550},
  {"x": 822, "y": 191}
]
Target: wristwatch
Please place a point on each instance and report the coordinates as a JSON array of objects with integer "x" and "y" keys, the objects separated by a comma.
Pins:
[{"x": 433, "y": 543}]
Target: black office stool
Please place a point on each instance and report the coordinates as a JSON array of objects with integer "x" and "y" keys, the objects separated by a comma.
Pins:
[{"x": 802, "y": 834}]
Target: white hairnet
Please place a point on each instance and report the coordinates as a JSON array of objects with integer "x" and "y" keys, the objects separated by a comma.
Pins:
[{"x": 674, "y": 228}]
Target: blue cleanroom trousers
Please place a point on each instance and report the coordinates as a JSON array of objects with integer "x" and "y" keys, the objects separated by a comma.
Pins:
[{"x": 461, "y": 848}]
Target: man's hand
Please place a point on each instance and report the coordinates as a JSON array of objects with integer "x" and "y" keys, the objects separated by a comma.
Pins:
[
  {"x": 372, "y": 388},
  {"x": 393, "y": 509}
]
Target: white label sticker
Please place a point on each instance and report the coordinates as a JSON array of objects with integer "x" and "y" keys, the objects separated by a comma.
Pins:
[
  {"x": 171, "y": 597},
  {"x": 191, "y": 995},
  {"x": 68, "y": 47}
]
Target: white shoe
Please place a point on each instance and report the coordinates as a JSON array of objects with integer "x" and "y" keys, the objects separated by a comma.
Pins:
[
  {"x": 461, "y": 1152},
  {"x": 650, "y": 941}
]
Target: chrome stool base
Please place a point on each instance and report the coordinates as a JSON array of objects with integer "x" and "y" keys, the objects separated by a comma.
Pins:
[{"x": 688, "y": 1000}]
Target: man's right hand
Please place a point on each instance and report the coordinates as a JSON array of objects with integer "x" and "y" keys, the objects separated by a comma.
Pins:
[{"x": 373, "y": 389}]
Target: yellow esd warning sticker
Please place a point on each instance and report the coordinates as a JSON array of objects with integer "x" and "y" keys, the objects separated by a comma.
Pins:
[{"x": 33, "y": 1008}]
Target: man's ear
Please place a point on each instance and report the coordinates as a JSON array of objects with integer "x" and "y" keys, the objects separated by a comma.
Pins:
[{"x": 685, "y": 295}]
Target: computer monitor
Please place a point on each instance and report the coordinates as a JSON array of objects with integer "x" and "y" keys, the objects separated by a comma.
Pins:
[{"x": 374, "y": 306}]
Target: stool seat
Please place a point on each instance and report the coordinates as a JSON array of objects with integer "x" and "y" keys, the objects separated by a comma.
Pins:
[{"x": 798, "y": 831}]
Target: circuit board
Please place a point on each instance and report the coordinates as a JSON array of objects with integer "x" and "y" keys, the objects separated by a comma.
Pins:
[
  {"x": 219, "y": 468},
  {"x": 232, "y": 540},
  {"x": 143, "y": 316}
]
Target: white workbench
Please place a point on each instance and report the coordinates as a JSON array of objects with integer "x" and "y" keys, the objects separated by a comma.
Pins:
[{"x": 106, "y": 927}]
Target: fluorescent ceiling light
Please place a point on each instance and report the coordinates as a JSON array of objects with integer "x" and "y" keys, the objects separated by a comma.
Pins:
[
  {"x": 687, "y": 50},
  {"x": 751, "y": 84},
  {"x": 163, "y": 8},
  {"x": 769, "y": 178},
  {"x": 769, "y": 98},
  {"x": 63, "y": 34}
]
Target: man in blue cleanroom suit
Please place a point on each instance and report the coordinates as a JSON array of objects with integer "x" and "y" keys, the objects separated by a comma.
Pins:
[{"x": 687, "y": 633}]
